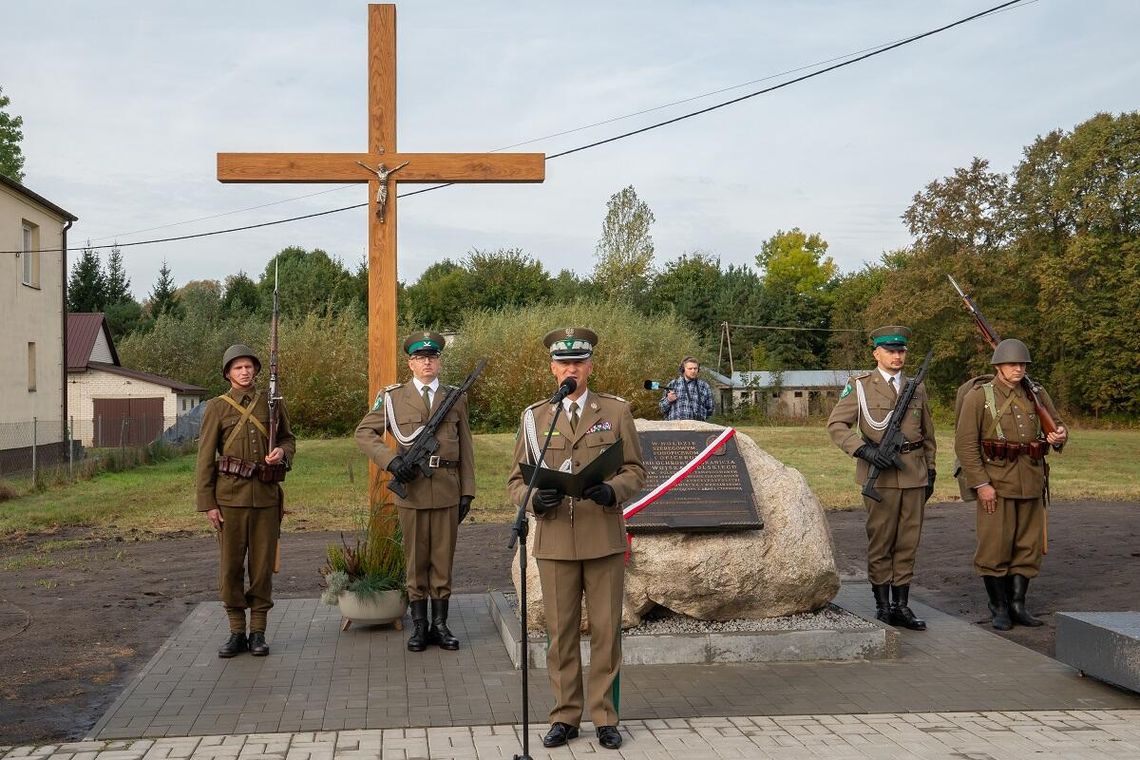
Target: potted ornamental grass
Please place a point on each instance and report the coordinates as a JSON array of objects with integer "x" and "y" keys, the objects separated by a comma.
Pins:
[{"x": 365, "y": 576}]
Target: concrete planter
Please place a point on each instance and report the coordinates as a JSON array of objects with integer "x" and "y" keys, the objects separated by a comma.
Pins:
[{"x": 372, "y": 609}]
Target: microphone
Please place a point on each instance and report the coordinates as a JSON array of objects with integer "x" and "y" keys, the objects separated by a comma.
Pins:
[
  {"x": 569, "y": 385},
  {"x": 653, "y": 385}
]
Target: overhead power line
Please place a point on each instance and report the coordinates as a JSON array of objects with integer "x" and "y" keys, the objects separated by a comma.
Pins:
[{"x": 872, "y": 52}]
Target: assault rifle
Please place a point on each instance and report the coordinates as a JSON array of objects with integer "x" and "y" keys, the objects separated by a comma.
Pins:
[
  {"x": 1032, "y": 389},
  {"x": 892, "y": 440},
  {"x": 424, "y": 449}
]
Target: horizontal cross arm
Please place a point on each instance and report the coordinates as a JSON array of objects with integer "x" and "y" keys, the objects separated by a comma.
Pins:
[{"x": 345, "y": 167}]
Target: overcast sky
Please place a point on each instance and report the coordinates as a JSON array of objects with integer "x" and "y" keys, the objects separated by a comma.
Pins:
[{"x": 125, "y": 105}]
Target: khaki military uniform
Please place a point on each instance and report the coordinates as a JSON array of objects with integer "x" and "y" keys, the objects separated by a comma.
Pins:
[
  {"x": 251, "y": 509},
  {"x": 1011, "y": 540},
  {"x": 580, "y": 547},
  {"x": 429, "y": 516},
  {"x": 894, "y": 525}
]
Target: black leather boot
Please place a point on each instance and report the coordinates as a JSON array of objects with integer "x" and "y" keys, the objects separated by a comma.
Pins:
[
  {"x": 1019, "y": 584},
  {"x": 439, "y": 633},
  {"x": 418, "y": 641},
  {"x": 999, "y": 602},
  {"x": 235, "y": 645},
  {"x": 257, "y": 644},
  {"x": 882, "y": 592},
  {"x": 900, "y": 613}
]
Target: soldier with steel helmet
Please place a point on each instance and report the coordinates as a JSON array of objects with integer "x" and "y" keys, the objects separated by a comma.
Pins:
[
  {"x": 1001, "y": 447},
  {"x": 579, "y": 544},
  {"x": 434, "y": 506},
  {"x": 894, "y": 525},
  {"x": 238, "y": 487}
]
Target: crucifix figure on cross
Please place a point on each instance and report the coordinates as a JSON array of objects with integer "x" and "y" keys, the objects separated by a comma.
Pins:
[
  {"x": 412, "y": 167},
  {"x": 382, "y": 173}
]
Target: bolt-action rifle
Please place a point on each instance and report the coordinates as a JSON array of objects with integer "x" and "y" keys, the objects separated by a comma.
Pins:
[
  {"x": 423, "y": 449},
  {"x": 892, "y": 440},
  {"x": 274, "y": 472},
  {"x": 1032, "y": 389}
]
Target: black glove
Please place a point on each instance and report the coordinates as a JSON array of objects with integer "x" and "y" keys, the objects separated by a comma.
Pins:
[
  {"x": 867, "y": 452},
  {"x": 545, "y": 499},
  {"x": 465, "y": 506},
  {"x": 872, "y": 454},
  {"x": 930, "y": 475},
  {"x": 883, "y": 460},
  {"x": 401, "y": 470},
  {"x": 602, "y": 493}
]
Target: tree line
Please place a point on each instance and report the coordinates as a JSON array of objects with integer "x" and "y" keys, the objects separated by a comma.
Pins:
[{"x": 1049, "y": 251}]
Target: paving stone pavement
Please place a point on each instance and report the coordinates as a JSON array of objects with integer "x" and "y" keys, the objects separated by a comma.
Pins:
[
  {"x": 955, "y": 691},
  {"x": 1035, "y": 735}
]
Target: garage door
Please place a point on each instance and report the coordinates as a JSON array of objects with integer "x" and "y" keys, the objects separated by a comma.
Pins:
[{"x": 128, "y": 421}]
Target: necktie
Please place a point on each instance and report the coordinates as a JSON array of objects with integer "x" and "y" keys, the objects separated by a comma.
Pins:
[
  {"x": 893, "y": 386},
  {"x": 574, "y": 416},
  {"x": 427, "y": 398}
]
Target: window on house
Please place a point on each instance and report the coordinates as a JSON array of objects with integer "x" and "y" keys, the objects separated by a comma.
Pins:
[
  {"x": 29, "y": 255},
  {"x": 31, "y": 367},
  {"x": 799, "y": 394}
]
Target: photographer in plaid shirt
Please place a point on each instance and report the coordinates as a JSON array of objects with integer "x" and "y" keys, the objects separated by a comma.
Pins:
[{"x": 687, "y": 397}]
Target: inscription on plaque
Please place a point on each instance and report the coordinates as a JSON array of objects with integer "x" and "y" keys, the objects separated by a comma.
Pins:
[{"x": 717, "y": 496}]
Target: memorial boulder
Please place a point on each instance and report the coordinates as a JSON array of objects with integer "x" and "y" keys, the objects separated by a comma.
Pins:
[{"x": 786, "y": 567}]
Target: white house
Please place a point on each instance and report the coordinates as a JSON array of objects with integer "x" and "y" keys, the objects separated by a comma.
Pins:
[
  {"x": 33, "y": 287},
  {"x": 112, "y": 405},
  {"x": 793, "y": 393}
]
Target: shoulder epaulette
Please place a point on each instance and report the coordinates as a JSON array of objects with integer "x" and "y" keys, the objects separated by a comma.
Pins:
[{"x": 610, "y": 395}]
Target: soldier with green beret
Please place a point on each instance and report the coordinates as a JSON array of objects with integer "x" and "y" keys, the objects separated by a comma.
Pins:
[
  {"x": 579, "y": 544},
  {"x": 1001, "y": 447},
  {"x": 241, "y": 497},
  {"x": 434, "y": 507},
  {"x": 894, "y": 525}
]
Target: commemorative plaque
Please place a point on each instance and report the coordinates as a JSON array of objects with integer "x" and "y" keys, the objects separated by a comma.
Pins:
[{"x": 717, "y": 496}]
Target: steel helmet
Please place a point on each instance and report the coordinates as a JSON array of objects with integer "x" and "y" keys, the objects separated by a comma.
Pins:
[
  {"x": 1011, "y": 351},
  {"x": 237, "y": 351}
]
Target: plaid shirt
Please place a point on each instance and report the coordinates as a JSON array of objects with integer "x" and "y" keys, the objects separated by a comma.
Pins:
[{"x": 694, "y": 400}]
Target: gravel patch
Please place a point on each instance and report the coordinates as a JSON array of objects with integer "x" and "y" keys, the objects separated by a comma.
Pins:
[{"x": 663, "y": 621}]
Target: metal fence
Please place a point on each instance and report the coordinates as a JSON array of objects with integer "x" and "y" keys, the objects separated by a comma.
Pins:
[{"x": 30, "y": 448}]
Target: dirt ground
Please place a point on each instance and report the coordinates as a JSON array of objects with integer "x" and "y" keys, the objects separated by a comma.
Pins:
[{"x": 80, "y": 616}]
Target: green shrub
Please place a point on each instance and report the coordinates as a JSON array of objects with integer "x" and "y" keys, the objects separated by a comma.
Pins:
[{"x": 631, "y": 349}]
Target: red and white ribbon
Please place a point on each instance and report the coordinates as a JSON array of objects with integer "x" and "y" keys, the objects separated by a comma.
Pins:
[{"x": 668, "y": 484}]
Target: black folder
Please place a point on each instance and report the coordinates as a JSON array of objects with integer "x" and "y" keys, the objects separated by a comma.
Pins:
[{"x": 573, "y": 483}]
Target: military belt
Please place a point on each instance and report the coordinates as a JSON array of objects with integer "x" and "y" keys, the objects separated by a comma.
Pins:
[
  {"x": 997, "y": 449},
  {"x": 246, "y": 470}
]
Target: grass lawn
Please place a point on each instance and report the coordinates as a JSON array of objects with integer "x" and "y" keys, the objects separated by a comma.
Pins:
[{"x": 328, "y": 488}]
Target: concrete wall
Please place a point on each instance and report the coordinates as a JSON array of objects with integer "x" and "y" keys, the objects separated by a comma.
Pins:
[
  {"x": 31, "y": 313},
  {"x": 789, "y": 402}
]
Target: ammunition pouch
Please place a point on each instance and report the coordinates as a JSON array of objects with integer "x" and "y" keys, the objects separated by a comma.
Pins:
[
  {"x": 240, "y": 468},
  {"x": 271, "y": 473},
  {"x": 235, "y": 467},
  {"x": 997, "y": 449}
]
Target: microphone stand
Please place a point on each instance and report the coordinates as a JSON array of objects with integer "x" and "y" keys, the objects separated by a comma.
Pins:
[{"x": 519, "y": 533}]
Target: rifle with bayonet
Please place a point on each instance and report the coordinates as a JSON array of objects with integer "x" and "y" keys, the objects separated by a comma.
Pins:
[
  {"x": 892, "y": 441},
  {"x": 1032, "y": 389},
  {"x": 274, "y": 472},
  {"x": 423, "y": 450}
]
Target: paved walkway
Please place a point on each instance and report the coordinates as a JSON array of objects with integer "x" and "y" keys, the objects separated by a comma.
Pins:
[
  {"x": 956, "y": 691},
  {"x": 1045, "y": 735}
]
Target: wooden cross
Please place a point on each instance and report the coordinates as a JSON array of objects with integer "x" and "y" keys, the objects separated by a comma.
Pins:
[{"x": 383, "y": 167}]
